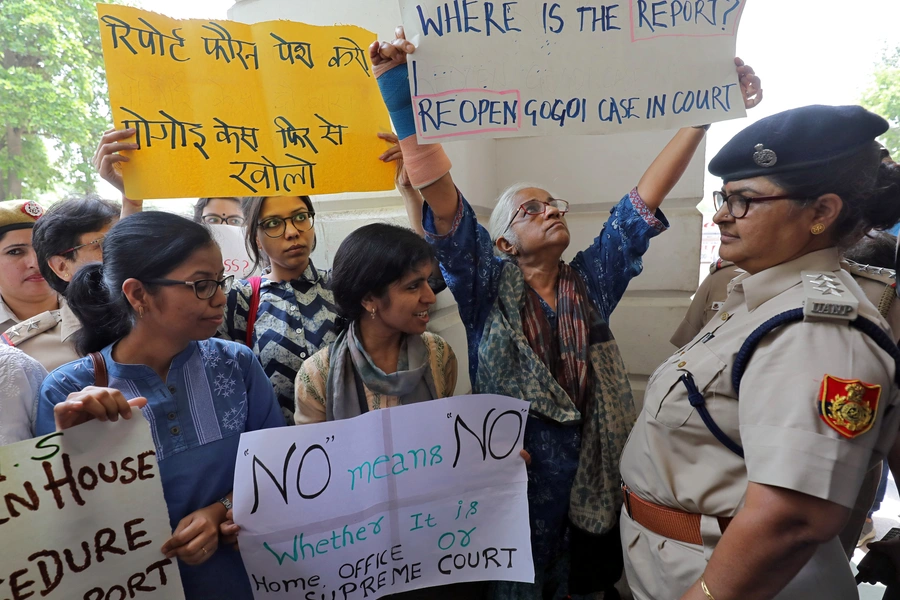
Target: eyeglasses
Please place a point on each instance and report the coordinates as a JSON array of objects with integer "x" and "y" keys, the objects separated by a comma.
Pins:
[
  {"x": 739, "y": 205},
  {"x": 203, "y": 288},
  {"x": 536, "y": 207},
  {"x": 217, "y": 220},
  {"x": 275, "y": 227},
  {"x": 80, "y": 246}
]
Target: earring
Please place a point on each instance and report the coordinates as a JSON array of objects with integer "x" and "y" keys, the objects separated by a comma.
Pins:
[
  {"x": 141, "y": 312},
  {"x": 817, "y": 229},
  {"x": 372, "y": 312}
]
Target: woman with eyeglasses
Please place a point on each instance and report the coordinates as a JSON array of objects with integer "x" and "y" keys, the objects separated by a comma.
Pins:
[
  {"x": 537, "y": 330},
  {"x": 149, "y": 313},
  {"x": 288, "y": 314},
  {"x": 219, "y": 211},
  {"x": 755, "y": 437}
]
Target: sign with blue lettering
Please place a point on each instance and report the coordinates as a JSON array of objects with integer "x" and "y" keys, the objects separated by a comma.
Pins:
[
  {"x": 528, "y": 68},
  {"x": 397, "y": 499}
]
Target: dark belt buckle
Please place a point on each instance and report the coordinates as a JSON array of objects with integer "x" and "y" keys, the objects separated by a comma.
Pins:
[{"x": 627, "y": 494}]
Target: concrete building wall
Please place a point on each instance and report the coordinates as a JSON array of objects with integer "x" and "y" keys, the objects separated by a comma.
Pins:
[{"x": 591, "y": 172}]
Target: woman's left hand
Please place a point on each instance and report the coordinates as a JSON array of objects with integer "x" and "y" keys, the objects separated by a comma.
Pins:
[
  {"x": 394, "y": 153},
  {"x": 751, "y": 86},
  {"x": 525, "y": 456},
  {"x": 196, "y": 538},
  {"x": 229, "y": 530}
]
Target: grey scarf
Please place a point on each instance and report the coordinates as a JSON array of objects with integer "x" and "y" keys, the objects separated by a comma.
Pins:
[{"x": 413, "y": 381}]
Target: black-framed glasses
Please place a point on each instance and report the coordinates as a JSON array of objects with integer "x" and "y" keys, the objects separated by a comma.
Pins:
[
  {"x": 98, "y": 241},
  {"x": 204, "y": 289},
  {"x": 217, "y": 220},
  {"x": 739, "y": 205},
  {"x": 537, "y": 207},
  {"x": 274, "y": 227}
]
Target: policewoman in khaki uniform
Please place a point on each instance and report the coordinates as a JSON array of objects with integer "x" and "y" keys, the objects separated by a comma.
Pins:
[{"x": 742, "y": 495}]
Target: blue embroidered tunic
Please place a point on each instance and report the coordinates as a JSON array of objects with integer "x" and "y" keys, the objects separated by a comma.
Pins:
[
  {"x": 294, "y": 321},
  {"x": 215, "y": 390},
  {"x": 472, "y": 272}
]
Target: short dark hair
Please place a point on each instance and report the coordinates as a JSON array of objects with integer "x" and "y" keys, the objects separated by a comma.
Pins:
[
  {"x": 372, "y": 258},
  {"x": 869, "y": 188},
  {"x": 252, "y": 207},
  {"x": 61, "y": 227},
  {"x": 202, "y": 202},
  {"x": 146, "y": 245}
]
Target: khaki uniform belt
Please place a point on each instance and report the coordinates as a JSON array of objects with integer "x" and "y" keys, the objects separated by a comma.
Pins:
[{"x": 668, "y": 522}]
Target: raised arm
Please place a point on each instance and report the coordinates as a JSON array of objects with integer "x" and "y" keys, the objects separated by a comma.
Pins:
[
  {"x": 412, "y": 199},
  {"x": 106, "y": 159},
  {"x": 670, "y": 165},
  {"x": 427, "y": 166}
]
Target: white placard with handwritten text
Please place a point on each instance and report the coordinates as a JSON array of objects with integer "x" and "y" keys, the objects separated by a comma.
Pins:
[
  {"x": 397, "y": 499},
  {"x": 533, "y": 67}
]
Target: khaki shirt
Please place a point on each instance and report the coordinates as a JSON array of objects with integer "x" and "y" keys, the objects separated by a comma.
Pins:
[
  {"x": 707, "y": 301},
  {"x": 672, "y": 459},
  {"x": 47, "y": 337}
]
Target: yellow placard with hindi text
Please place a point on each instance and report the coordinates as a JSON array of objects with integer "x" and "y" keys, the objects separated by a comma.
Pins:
[{"x": 222, "y": 108}]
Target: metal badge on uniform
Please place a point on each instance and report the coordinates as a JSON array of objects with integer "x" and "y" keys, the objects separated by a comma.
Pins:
[
  {"x": 764, "y": 157},
  {"x": 32, "y": 209},
  {"x": 826, "y": 298},
  {"x": 848, "y": 406},
  {"x": 716, "y": 306}
]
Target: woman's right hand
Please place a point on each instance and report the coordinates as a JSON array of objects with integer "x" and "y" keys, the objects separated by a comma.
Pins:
[
  {"x": 103, "y": 404},
  {"x": 107, "y": 156},
  {"x": 386, "y": 55},
  {"x": 395, "y": 153}
]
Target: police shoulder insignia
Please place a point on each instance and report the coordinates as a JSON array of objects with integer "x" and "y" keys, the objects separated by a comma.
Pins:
[{"x": 848, "y": 406}]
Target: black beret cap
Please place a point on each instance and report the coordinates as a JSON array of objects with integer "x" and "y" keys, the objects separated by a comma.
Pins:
[{"x": 795, "y": 140}]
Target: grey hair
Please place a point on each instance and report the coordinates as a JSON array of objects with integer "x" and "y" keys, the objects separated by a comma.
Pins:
[{"x": 503, "y": 212}]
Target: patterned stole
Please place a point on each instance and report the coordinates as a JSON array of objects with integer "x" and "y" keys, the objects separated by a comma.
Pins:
[
  {"x": 508, "y": 365},
  {"x": 566, "y": 352}
]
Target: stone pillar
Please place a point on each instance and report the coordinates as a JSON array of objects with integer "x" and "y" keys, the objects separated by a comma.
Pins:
[{"x": 591, "y": 172}]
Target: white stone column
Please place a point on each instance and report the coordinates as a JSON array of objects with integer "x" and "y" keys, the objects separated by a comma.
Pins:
[{"x": 591, "y": 172}]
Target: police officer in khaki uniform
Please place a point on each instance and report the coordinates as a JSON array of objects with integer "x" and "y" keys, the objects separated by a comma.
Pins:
[
  {"x": 707, "y": 301},
  {"x": 728, "y": 499},
  {"x": 47, "y": 335}
]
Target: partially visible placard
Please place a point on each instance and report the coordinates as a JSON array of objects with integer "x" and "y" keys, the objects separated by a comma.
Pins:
[
  {"x": 234, "y": 250},
  {"x": 492, "y": 69},
  {"x": 221, "y": 108},
  {"x": 83, "y": 516},
  {"x": 423, "y": 495}
]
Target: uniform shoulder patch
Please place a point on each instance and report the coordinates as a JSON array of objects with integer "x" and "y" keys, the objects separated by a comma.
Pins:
[
  {"x": 719, "y": 264},
  {"x": 885, "y": 276},
  {"x": 848, "y": 406},
  {"x": 826, "y": 298}
]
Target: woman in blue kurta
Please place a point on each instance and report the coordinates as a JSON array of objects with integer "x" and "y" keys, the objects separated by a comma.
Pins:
[
  {"x": 150, "y": 311},
  {"x": 537, "y": 330}
]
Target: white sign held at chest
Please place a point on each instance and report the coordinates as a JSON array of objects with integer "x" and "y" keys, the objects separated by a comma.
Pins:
[
  {"x": 397, "y": 499},
  {"x": 490, "y": 69},
  {"x": 83, "y": 516}
]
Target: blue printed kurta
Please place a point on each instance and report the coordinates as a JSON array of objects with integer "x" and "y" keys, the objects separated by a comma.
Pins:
[
  {"x": 215, "y": 390},
  {"x": 473, "y": 273}
]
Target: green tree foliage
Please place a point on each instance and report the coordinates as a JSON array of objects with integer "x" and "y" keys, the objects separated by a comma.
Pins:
[
  {"x": 883, "y": 97},
  {"x": 52, "y": 88}
]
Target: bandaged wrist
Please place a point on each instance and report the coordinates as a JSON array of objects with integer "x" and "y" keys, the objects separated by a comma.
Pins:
[{"x": 425, "y": 163}]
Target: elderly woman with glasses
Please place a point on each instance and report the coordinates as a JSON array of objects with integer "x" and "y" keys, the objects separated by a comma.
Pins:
[
  {"x": 537, "y": 330},
  {"x": 288, "y": 314},
  {"x": 756, "y": 435}
]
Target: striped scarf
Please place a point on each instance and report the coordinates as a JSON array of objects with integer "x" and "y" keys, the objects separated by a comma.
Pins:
[{"x": 565, "y": 353}]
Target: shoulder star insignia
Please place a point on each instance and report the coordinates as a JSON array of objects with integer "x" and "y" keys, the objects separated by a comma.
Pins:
[{"x": 36, "y": 324}]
